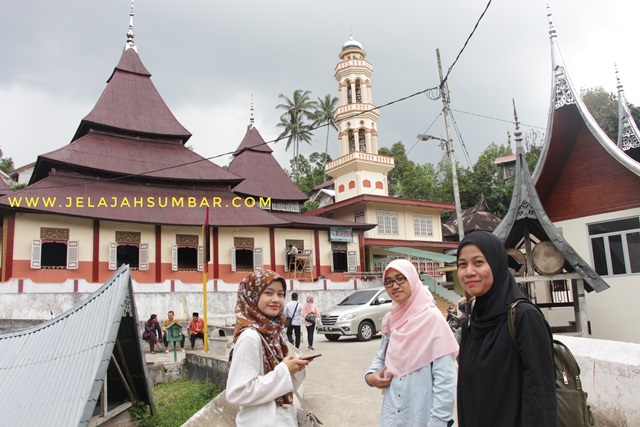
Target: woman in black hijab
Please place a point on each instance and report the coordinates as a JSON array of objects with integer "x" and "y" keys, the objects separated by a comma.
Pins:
[{"x": 500, "y": 385}]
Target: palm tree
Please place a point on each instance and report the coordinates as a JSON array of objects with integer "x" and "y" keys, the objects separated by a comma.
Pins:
[
  {"x": 323, "y": 115},
  {"x": 298, "y": 109}
]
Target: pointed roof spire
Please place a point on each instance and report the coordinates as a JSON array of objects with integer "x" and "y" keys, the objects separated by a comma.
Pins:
[
  {"x": 628, "y": 133},
  {"x": 251, "y": 119},
  {"x": 130, "y": 43},
  {"x": 552, "y": 29},
  {"x": 565, "y": 103},
  {"x": 517, "y": 133}
]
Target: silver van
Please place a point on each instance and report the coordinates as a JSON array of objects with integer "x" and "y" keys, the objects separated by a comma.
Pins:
[{"x": 359, "y": 314}]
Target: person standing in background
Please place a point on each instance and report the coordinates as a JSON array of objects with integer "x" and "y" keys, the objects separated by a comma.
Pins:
[
  {"x": 293, "y": 309},
  {"x": 310, "y": 309}
]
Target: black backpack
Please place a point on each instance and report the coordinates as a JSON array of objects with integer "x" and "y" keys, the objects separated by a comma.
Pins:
[{"x": 573, "y": 410}]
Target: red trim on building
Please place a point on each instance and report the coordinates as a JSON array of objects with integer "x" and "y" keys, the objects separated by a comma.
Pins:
[
  {"x": 363, "y": 256},
  {"x": 272, "y": 247},
  {"x": 95, "y": 265},
  {"x": 316, "y": 238},
  {"x": 443, "y": 207},
  {"x": 158, "y": 266},
  {"x": 7, "y": 265},
  {"x": 216, "y": 255}
]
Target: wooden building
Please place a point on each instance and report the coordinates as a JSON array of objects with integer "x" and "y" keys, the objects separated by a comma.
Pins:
[
  {"x": 588, "y": 187},
  {"x": 126, "y": 190}
]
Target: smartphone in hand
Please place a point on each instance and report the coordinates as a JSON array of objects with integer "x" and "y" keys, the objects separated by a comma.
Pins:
[{"x": 310, "y": 357}]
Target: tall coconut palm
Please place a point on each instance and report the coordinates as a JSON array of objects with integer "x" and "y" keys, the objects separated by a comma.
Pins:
[
  {"x": 323, "y": 115},
  {"x": 298, "y": 109}
]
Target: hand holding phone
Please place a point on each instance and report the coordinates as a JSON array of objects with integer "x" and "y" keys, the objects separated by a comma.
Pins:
[{"x": 310, "y": 357}]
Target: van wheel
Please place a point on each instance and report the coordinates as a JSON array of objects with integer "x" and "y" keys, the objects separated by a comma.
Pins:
[
  {"x": 332, "y": 337},
  {"x": 365, "y": 331}
]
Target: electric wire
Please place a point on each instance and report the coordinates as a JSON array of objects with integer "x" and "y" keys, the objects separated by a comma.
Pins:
[
  {"x": 429, "y": 92},
  {"x": 497, "y": 119},
  {"x": 464, "y": 147}
]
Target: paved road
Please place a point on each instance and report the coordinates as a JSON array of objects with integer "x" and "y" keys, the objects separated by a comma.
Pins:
[{"x": 335, "y": 389}]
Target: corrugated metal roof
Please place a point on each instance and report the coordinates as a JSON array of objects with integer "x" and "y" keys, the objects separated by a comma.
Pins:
[
  {"x": 435, "y": 256},
  {"x": 52, "y": 374}
]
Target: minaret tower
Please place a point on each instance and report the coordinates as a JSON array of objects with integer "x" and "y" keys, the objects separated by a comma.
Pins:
[{"x": 359, "y": 169}]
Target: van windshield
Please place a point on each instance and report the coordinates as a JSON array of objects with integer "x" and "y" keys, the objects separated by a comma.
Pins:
[{"x": 358, "y": 298}]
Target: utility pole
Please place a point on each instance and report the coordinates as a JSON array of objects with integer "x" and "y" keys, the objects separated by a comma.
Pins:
[{"x": 449, "y": 145}]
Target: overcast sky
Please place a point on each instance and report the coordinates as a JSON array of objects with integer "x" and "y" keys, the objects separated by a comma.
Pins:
[{"x": 207, "y": 57}]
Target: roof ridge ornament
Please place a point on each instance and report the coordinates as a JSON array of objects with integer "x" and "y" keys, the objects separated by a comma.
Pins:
[
  {"x": 628, "y": 133},
  {"x": 251, "y": 118},
  {"x": 130, "y": 43},
  {"x": 552, "y": 29}
]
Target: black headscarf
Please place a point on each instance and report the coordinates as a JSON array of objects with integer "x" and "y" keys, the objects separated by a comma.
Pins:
[
  {"x": 490, "y": 309},
  {"x": 490, "y": 378}
]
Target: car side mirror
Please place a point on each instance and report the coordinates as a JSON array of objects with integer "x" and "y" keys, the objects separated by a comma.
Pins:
[{"x": 381, "y": 300}]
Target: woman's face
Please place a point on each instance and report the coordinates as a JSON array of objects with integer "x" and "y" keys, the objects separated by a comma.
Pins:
[
  {"x": 271, "y": 300},
  {"x": 398, "y": 293},
  {"x": 474, "y": 271}
]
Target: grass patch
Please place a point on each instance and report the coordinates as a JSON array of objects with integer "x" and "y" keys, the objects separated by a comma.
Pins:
[{"x": 176, "y": 402}]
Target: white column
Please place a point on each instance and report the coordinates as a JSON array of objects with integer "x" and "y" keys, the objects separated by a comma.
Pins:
[{"x": 367, "y": 138}]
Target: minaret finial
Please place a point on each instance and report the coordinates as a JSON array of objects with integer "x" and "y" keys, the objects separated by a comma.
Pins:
[
  {"x": 619, "y": 87},
  {"x": 552, "y": 29},
  {"x": 251, "y": 119},
  {"x": 517, "y": 133},
  {"x": 350, "y": 33},
  {"x": 130, "y": 43}
]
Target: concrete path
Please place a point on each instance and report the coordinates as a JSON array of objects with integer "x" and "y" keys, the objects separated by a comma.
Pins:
[{"x": 334, "y": 388}]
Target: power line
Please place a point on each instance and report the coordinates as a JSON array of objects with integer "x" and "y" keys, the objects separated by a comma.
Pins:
[
  {"x": 497, "y": 119},
  {"x": 464, "y": 147},
  {"x": 465, "y": 43}
]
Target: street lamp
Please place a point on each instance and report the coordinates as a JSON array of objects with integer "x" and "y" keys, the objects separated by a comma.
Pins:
[{"x": 454, "y": 178}]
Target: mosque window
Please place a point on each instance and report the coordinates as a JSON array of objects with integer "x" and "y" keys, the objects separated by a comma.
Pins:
[
  {"x": 387, "y": 222},
  {"x": 54, "y": 250},
  {"x": 244, "y": 256},
  {"x": 362, "y": 141},
  {"x": 359, "y": 217},
  {"x": 352, "y": 141},
  {"x": 366, "y": 183},
  {"x": 186, "y": 254},
  {"x": 358, "y": 90},
  {"x": 349, "y": 94},
  {"x": 422, "y": 225},
  {"x": 352, "y": 185},
  {"x": 128, "y": 249}
]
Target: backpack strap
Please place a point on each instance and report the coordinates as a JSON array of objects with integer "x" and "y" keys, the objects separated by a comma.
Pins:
[{"x": 511, "y": 319}]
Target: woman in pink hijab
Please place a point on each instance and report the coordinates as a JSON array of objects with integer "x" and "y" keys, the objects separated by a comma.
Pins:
[
  {"x": 416, "y": 363},
  {"x": 310, "y": 309}
]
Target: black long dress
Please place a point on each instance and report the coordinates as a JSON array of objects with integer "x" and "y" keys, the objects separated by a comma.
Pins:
[{"x": 498, "y": 385}]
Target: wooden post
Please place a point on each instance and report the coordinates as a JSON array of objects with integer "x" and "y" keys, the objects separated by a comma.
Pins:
[
  {"x": 103, "y": 399},
  {"x": 580, "y": 307}
]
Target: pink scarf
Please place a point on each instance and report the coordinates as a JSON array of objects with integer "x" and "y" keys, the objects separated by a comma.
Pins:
[{"x": 419, "y": 333}]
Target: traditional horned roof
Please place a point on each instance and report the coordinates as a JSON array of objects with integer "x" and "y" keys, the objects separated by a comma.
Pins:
[
  {"x": 527, "y": 215},
  {"x": 52, "y": 374},
  {"x": 562, "y": 127},
  {"x": 628, "y": 133},
  {"x": 263, "y": 176}
]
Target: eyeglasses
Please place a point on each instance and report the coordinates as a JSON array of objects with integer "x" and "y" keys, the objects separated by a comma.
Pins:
[{"x": 388, "y": 282}]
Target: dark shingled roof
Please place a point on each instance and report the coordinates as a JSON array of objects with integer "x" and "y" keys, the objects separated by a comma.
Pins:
[
  {"x": 4, "y": 188},
  {"x": 121, "y": 155},
  {"x": 263, "y": 175},
  {"x": 52, "y": 374},
  {"x": 131, "y": 102},
  {"x": 526, "y": 214},
  {"x": 309, "y": 221},
  {"x": 473, "y": 219},
  {"x": 90, "y": 190}
]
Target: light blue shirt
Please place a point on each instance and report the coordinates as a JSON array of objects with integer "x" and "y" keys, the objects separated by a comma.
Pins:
[{"x": 425, "y": 395}]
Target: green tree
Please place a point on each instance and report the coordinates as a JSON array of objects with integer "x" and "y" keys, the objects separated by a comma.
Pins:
[
  {"x": 296, "y": 129},
  {"x": 402, "y": 166},
  {"x": 6, "y": 163},
  {"x": 603, "y": 106},
  {"x": 323, "y": 115}
]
